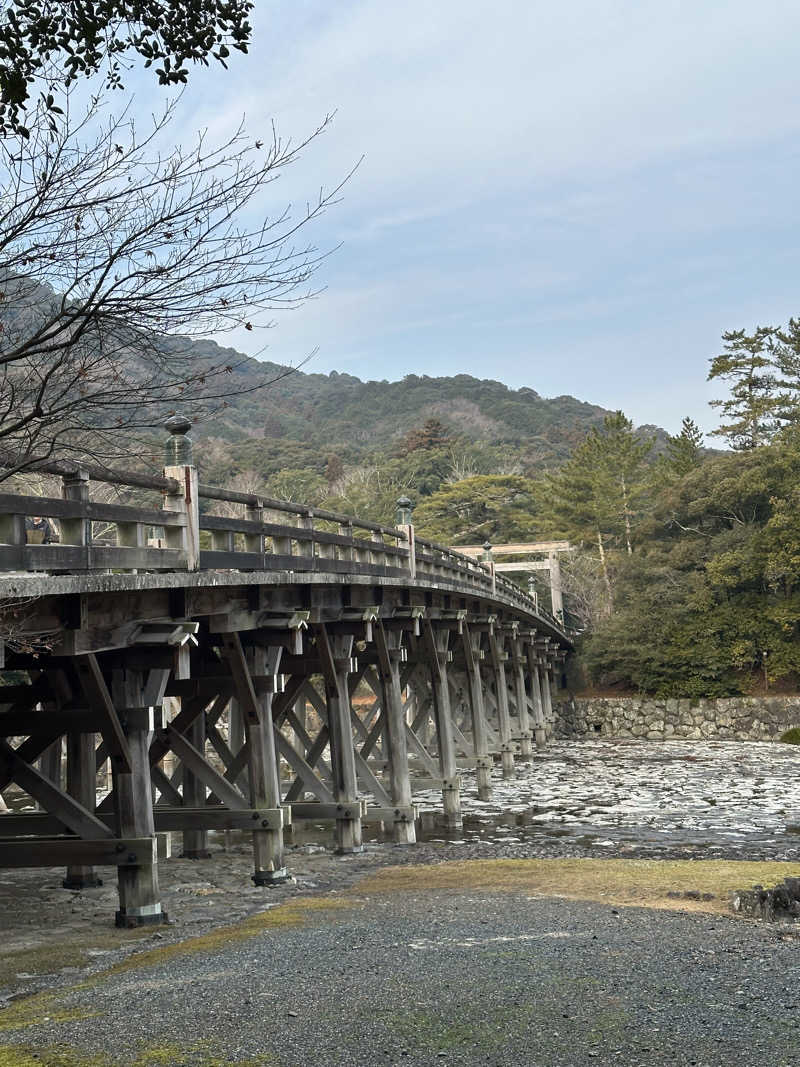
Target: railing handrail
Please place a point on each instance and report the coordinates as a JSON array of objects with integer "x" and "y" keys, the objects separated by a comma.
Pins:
[
  {"x": 255, "y": 500},
  {"x": 67, "y": 468}
]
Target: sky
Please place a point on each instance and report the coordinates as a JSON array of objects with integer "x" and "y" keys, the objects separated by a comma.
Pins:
[{"x": 577, "y": 198}]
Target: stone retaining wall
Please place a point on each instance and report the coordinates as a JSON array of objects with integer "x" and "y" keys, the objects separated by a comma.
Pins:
[{"x": 730, "y": 719}]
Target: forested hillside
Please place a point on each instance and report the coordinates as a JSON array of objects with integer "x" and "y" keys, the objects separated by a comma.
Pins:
[{"x": 316, "y": 416}]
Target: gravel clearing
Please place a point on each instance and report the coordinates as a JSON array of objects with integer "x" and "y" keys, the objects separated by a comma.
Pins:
[
  {"x": 429, "y": 976},
  {"x": 460, "y": 977}
]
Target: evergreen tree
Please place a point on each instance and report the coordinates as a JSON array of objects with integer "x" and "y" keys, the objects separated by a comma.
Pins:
[
  {"x": 757, "y": 405},
  {"x": 432, "y": 434},
  {"x": 598, "y": 495},
  {"x": 683, "y": 450}
]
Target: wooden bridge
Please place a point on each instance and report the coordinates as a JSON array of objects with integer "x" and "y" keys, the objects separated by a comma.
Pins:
[{"x": 228, "y": 662}]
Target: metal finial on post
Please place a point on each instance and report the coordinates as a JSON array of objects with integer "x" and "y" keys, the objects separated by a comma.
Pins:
[
  {"x": 404, "y": 509},
  {"x": 487, "y": 550},
  {"x": 531, "y": 585},
  {"x": 178, "y": 447}
]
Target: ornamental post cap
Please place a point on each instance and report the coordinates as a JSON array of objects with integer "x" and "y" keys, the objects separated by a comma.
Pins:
[
  {"x": 178, "y": 424},
  {"x": 404, "y": 502},
  {"x": 487, "y": 546}
]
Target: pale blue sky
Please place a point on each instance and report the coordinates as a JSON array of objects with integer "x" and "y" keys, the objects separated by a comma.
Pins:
[{"x": 578, "y": 198}]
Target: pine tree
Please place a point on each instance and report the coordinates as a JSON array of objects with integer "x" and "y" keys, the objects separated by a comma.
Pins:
[
  {"x": 432, "y": 434},
  {"x": 598, "y": 495},
  {"x": 683, "y": 449},
  {"x": 756, "y": 407}
]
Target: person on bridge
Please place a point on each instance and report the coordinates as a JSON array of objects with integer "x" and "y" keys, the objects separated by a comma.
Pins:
[{"x": 39, "y": 531}]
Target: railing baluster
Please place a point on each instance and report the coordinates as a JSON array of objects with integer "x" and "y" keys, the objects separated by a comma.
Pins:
[
  {"x": 346, "y": 552},
  {"x": 77, "y": 531},
  {"x": 254, "y": 542}
]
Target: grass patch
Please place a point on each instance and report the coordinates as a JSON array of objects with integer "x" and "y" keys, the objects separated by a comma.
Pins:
[
  {"x": 791, "y": 737},
  {"x": 70, "y": 952},
  {"x": 292, "y": 913},
  {"x": 38, "y": 1009},
  {"x": 627, "y": 883}
]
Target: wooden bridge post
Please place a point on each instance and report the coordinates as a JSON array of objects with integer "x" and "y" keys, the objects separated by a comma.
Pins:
[
  {"x": 82, "y": 786},
  {"x": 139, "y": 894},
  {"x": 180, "y": 466},
  {"x": 335, "y": 660},
  {"x": 498, "y": 658},
  {"x": 80, "y": 747},
  {"x": 520, "y": 696},
  {"x": 547, "y": 681},
  {"x": 195, "y": 842},
  {"x": 436, "y": 645},
  {"x": 404, "y": 511},
  {"x": 262, "y": 762},
  {"x": 480, "y": 737},
  {"x": 539, "y": 733},
  {"x": 265, "y": 789},
  {"x": 389, "y": 654}
]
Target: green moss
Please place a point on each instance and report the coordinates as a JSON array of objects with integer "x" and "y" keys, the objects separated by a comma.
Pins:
[
  {"x": 292, "y": 913},
  {"x": 51, "y": 957},
  {"x": 201, "y": 1054},
  {"x": 38, "y": 1009},
  {"x": 791, "y": 737}
]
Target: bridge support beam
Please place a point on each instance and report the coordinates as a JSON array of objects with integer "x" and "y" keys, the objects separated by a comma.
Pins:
[
  {"x": 521, "y": 699},
  {"x": 396, "y": 746},
  {"x": 334, "y": 653},
  {"x": 255, "y": 711},
  {"x": 498, "y": 657},
  {"x": 195, "y": 842},
  {"x": 139, "y": 894},
  {"x": 480, "y": 738},
  {"x": 81, "y": 785},
  {"x": 436, "y": 646},
  {"x": 539, "y": 733}
]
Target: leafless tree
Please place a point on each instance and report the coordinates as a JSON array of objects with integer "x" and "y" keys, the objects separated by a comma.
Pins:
[
  {"x": 115, "y": 255},
  {"x": 584, "y": 587}
]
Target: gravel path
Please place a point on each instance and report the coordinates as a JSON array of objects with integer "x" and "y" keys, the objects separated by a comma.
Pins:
[
  {"x": 438, "y": 976},
  {"x": 467, "y": 978}
]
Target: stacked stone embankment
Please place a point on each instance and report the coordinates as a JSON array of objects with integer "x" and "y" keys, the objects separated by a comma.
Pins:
[{"x": 762, "y": 718}]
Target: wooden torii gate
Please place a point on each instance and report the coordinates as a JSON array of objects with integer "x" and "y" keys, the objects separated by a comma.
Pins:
[{"x": 548, "y": 549}]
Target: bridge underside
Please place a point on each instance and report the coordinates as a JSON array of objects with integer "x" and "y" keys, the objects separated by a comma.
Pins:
[{"x": 139, "y": 704}]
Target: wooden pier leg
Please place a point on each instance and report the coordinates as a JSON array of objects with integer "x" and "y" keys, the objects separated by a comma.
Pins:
[
  {"x": 50, "y": 761},
  {"x": 334, "y": 653},
  {"x": 262, "y": 763},
  {"x": 498, "y": 657},
  {"x": 396, "y": 746},
  {"x": 265, "y": 791},
  {"x": 521, "y": 700},
  {"x": 547, "y": 693},
  {"x": 480, "y": 737},
  {"x": 436, "y": 648},
  {"x": 139, "y": 895},
  {"x": 235, "y": 726},
  {"x": 81, "y": 784},
  {"x": 539, "y": 734},
  {"x": 195, "y": 842}
]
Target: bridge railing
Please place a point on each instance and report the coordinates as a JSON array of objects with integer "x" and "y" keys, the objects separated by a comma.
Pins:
[
  {"x": 272, "y": 534},
  {"x": 231, "y": 531}
]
